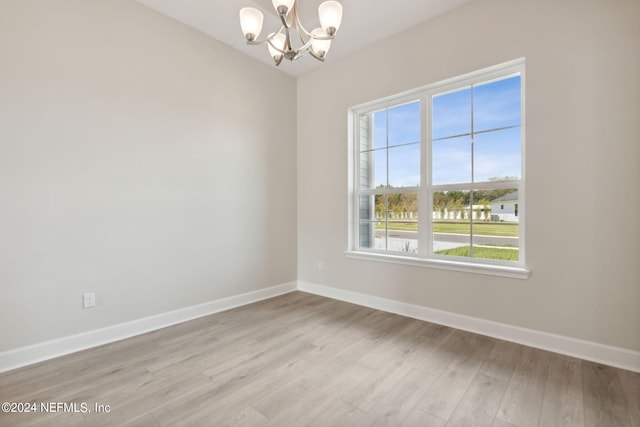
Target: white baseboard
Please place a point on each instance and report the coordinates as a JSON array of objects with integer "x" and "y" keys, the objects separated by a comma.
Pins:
[
  {"x": 595, "y": 352},
  {"x": 29, "y": 355},
  {"x": 600, "y": 353}
]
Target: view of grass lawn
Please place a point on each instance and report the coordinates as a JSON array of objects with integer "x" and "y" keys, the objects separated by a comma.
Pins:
[
  {"x": 479, "y": 228},
  {"x": 398, "y": 226},
  {"x": 483, "y": 252}
]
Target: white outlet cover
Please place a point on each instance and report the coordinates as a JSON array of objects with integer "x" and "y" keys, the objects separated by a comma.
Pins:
[{"x": 89, "y": 299}]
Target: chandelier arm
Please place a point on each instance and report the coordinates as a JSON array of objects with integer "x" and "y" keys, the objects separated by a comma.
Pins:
[
  {"x": 300, "y": 30},
  {"x": 301, "y": 53},
  {"x": 287, "y": 41},
  {"x": 283, "y": 19},
  {"x": 298, "y": 24},
  {"x": 266, "y": 39},
  {"x": 306, "y": 45},
  {"x": 283, "y": 51}
]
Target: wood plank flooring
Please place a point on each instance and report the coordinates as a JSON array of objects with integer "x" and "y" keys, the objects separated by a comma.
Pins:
[{"x": 304, "y": 360}]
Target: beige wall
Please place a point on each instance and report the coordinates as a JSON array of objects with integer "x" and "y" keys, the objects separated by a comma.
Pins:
[
  {"x": 582, "y": 156},
  {"x": 139, "y": 159}
]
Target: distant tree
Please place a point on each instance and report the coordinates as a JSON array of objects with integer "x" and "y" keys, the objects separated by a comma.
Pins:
[
  {"x": 381, "y": 206},
  {"x": 450, "y": 208},
  {"x": 459, "y": 210},
  {"x": 478, "y": 211},
  {"x": 456, "y": 195},
  {"x": 439, "y": 207},
  {"x": 440, "y": 197},
  {"x": 409, "y": 202}
]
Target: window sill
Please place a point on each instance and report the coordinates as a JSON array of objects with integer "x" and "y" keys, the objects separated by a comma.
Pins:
[{"x": 467, "y": 267}]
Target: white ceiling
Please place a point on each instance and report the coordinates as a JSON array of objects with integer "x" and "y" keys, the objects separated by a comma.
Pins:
[{"x": 363, "y": 22}]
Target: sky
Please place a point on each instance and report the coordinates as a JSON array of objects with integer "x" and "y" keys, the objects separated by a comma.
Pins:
[{"x": 496, "y": 151}]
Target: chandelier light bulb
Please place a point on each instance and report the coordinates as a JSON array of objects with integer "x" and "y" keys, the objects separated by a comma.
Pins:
[
  {"x": 330, "y": 16},
  {"x": 318, "y": 46},
  {"x": 277, "y": 42},
  {"x": 251, "y": 22}
]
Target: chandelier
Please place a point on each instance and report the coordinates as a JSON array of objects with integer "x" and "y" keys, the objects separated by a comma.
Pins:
[{"x": 316, "y": 42}]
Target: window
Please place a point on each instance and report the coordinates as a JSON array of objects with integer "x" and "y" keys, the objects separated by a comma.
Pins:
[{"x": 438, "y": 176}]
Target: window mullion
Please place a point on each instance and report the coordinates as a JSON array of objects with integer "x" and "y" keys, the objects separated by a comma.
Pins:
[
  {"x": 425, "y": 202},
  {"x": 386, "y": 197},
  {"x": 355, "y": 198},
  {"x": 473, "y": 175}
]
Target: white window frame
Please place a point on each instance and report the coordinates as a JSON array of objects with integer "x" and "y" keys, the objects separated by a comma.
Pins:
[{"x": 425, "y": 256}]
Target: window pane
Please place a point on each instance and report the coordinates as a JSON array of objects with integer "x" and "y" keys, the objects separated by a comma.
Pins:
[
  {"x": 380, "y": 168},
  {"x": 366, "y": 233},
  {"x": 484, "y": 227},
  {"x": 451, "y": 160},
  {"x": 451, "y": 114},
  {"x": 399, "y": 240},
  {"x": 404, "y": 166},
  {"x": 366, "y": 208},
  {"x": 380, "y": 226},
  {"x": 495, "y": 225},
  {"x": 497, "y": 155},
  {"x": 496, "y": 104},
  {"x": 367, "y": 221},
  {"x": 365, "y": 134},
  {"x": 389, "y": 222},
  {"x": 379, "y": 139},
  {"x": 404, "y": 124},
  {"x": 451, "y": 221},
  {"x": 402, "y": 222},
  {"x": 366, "y": 170}
]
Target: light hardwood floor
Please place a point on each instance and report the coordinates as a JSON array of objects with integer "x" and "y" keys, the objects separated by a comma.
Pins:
[{"x": 300, "y": 359}]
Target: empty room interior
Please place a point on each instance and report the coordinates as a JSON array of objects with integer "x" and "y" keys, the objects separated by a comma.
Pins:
[{"x": 419, "y": 213}]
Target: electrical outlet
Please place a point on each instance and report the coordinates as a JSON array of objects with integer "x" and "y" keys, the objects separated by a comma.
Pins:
[
  {"x": 88, "y": 299},
  {"x": 320, "y": 265}
]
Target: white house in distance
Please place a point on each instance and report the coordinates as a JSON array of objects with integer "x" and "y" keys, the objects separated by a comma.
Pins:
[{"x": 505, "y": 208}]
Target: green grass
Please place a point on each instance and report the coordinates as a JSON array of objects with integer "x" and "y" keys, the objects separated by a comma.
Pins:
[
  {"x": 482, "y": 252},
  {"x": 479, "y": 228},
  {"x": 398, "y": 226}
]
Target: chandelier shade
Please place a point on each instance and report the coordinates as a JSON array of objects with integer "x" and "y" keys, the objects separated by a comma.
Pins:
[
  {"x": 319, "y": 46},
  {"x": 330, "y": 13},
  {"x": 280, "y": 44},
  {"x": 276, "y": 46},
  {"x": 251, "y": 22}
]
